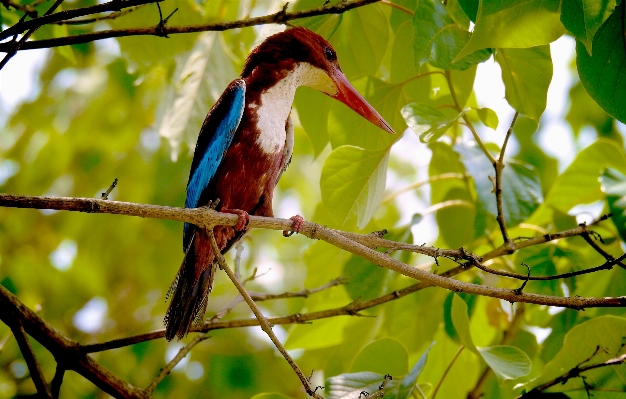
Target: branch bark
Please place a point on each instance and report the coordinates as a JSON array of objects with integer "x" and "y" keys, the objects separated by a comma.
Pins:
[{"x": 163, "y": 31}]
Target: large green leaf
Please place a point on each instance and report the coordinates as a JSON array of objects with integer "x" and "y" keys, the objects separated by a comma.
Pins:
[
  {"x": 583, "y": 18},
  {"x": 460, "y": 321},
  {"x": 428, "y": 123},
  {"x": 407, "y": 385},
  {"x": 514, "y": 24},
  {"x": 366, "y": 280},
  {"x": 526, "y": 74},
  {"x": 200, "y": 77},
  {"x": 507, "y": 362},
  {"x": 614, "y": 186},
  {"x": 521, "y": 189},
  {"x": 592, "y": 342},
  {"x": 313, "y": 109},
  {"x": 438, "y": 39},
  {"x": 351, "y": 385},
  {"x": 579, "y": 183},
  {"x": 383, "y": 356},
  {"x": 602, "y": 74},
  {"x": 352, "y": 183},
  {"x": 346, "y": 127}
]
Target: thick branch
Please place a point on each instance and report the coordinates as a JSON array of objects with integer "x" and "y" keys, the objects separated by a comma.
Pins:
[
  {"x": 206, "y": 218},
  {"x": 160, "y": 30},
  {"x": 64, "y": 350}
]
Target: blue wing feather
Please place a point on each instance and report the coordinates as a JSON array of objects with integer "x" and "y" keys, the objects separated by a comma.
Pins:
[{"x": 214, "y": 140}]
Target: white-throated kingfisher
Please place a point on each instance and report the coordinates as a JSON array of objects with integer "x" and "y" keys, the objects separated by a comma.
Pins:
[{"x": 244, "y": 146}]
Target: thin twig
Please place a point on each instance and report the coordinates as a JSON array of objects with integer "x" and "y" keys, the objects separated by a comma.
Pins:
[
  {"x": 600, "y": 250},
  {"x": 31, "y": 361},
  {"x": 105, "y": 195},
  {"x": 573, "y": 373},
  {"x": 27, "y": 9},
  {"x": 447, "y": 370},
  {"x": 421, "y": 183},
  {"x": 499, "y": 166},
  {"x": 278, "y": 17},
  {"x": 177, "y": 359},
  {"x": 57, "y": 380},
  {"x": 113, "y": 15},
  {"x": 468, "y": 123},
  {"x": 17, "y": 46},
  {"x": 67, "y": 15},
  {"x": 265, "y": 325}
]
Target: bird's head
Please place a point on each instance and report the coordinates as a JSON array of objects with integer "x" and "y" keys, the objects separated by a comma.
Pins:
[{"x": 301, "y": 47}]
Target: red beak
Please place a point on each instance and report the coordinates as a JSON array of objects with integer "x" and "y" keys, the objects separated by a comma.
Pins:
[{"x": 349, "y": 96}]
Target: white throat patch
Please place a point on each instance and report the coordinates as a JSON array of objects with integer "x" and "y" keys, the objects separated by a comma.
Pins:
[{"x": 276, "y": 103}]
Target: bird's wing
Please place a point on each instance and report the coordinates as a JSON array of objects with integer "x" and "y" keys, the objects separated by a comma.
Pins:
[{"x": 214, "y": 140}]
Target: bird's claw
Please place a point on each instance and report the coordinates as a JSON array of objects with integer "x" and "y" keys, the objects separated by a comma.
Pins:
[
  {"x": 295, "y": 227},
  {"x": 243, "y": 220}
]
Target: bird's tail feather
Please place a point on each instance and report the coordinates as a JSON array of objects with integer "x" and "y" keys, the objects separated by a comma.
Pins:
[{"x": 190, "y": 288}]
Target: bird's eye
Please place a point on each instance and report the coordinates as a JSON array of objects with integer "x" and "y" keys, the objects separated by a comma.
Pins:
[{"x": 330, "y": 54}]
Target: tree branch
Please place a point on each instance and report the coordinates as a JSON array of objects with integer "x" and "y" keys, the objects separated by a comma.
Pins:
[
  {"x": 159, "y": 30},
  {"x": 29, "y": 356},
  {"x": 265, "y": 325},
  {"x": 499, "y": 166},
  {"x": 206, "y": 218}
]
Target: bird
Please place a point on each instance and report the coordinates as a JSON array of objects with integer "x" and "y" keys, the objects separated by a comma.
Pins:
[{"x": 244, "y": 146}]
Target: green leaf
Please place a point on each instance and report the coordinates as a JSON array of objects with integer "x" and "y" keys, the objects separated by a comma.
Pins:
[
  {"x": 460, "y": 321},
  {"x": 361, "y": 40},
  {"x": 488, "y": 117},
  {"x": 428, "y": 123},
  {"x": 602, "y": 73},
  {"x": 313, "y": 109},
  {"x": 514, "y": 24},
  {"x": 383, "y": 356},
  {"x": 592, "y": 342},
  {"x": 366, "y": 280},
  {"x": 200, "y": 77},
  {"x": 323, "y": 25},
  {"x": 405, "y": 390},
  {"x": 350, "y": 385},
  {"x": 526, "y": 74},
  {"x": 507, "y": 362},
  {"x": 521, "y": 189},
  {"x": 614, "y": 186},
  {"x": 579, "y": 183},
  {"x": 438, "y": 39},
  {"x": 583, "y": 18},
  {"x": 65, "y": 51},
  {"x": 352, "y": 183},
  {"x": 346, "y": 127},
  {"x": 470, "y": 7}
]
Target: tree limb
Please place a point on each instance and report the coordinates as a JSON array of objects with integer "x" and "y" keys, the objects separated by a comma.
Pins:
[{"x": 159, "y": 30}]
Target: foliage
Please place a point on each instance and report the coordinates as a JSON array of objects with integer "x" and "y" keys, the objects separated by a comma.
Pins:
[{"x": 130, "y": 107}]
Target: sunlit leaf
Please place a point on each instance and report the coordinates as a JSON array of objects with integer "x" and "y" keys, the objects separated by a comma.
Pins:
[
  {"x": 352, "y": 183},
  {"x": 521, "y": 189},
  {"x": 351, "y": 385},
  {"x": 579, "y": 183},
  {"x": 505, "y": 24},
  {"x": 488, "y": 117},
  {"x": 428, "y": 123},
  {"x": 407, "y": 385},
  {"x": 602, "y": 73},
  {"x": 507, "y": 362},
  {"x": 383, "y": 356},
  {"x": 592, "y": 342},
  {"x": 200, "y": 77},
  {"x": 460, "y": 320},
  {"x": 439, "y": 40},
  {"x": 583, "y": 18},
  {"x": 526, "y": 74},
  {"x": 614, "y": 186}
]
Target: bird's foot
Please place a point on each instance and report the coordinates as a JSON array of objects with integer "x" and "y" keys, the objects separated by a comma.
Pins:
[
  {"x": 295, "y": 227},
  {"x": 244, "y": 218}
]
